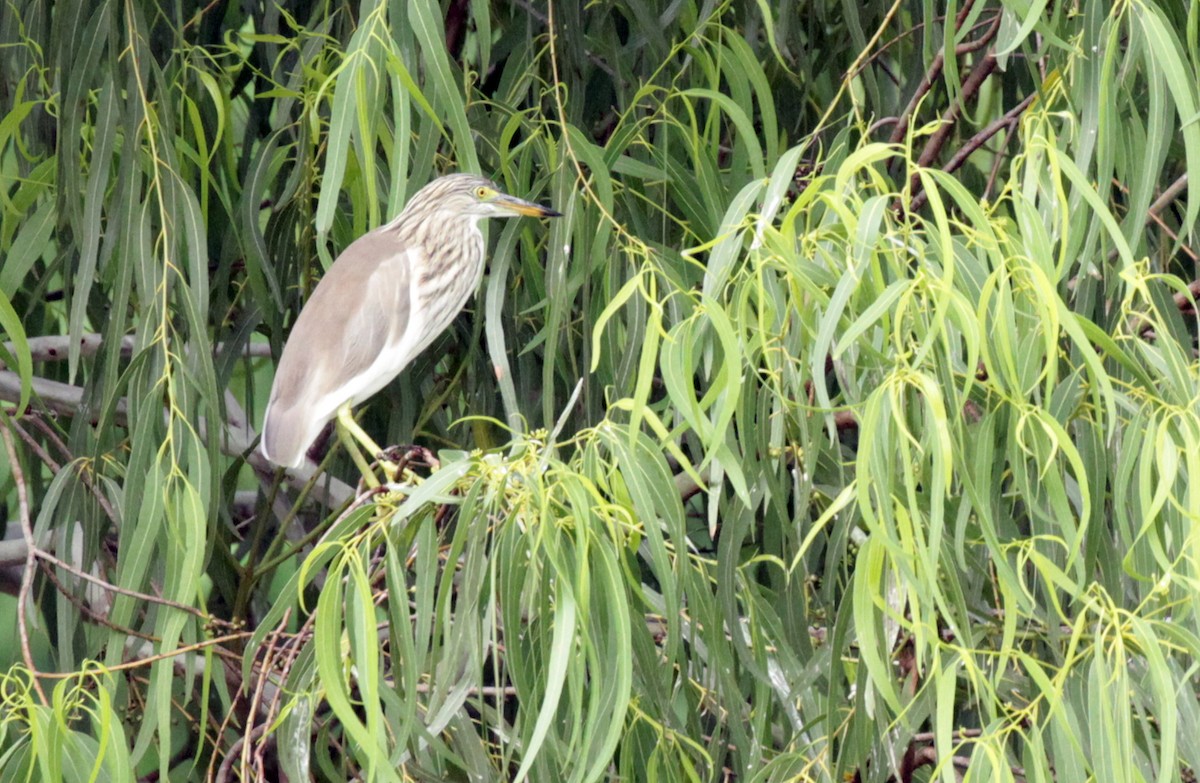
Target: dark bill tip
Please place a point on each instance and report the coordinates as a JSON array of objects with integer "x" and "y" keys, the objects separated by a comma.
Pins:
[
  {"x": 533, "y": 210},
  {"x": 528, "y": 208}
]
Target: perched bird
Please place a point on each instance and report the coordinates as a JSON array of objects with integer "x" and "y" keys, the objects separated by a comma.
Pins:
[{"x": 386, "y": 297}]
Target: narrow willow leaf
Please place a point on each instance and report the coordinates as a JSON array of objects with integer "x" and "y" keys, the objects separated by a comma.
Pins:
[
  {"x": 347, "y": 98},
  {"x": 631, "y": 286},
  {"x": 101, "y": 162},
  {"x": 868, "y": 586},
  {"x": 564, "y": 634},
  {"x": 449, "y": 103},
  {"x": 728, "y": 242},
  {"x": 646, "y": 365},
  {"x": 31, "y": 243},
  {"x": 1165, "y": 49},
  {"x": 334, "y": 668},
  {"x": 745, "y": 136},
  {"x": 17, "y": 345}
]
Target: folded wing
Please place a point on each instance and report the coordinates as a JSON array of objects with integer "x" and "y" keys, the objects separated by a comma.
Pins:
[{"x": 338, "y": 349}]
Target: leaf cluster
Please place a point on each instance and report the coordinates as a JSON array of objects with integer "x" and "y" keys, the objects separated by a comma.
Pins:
[{"x": 843, "y": 427}]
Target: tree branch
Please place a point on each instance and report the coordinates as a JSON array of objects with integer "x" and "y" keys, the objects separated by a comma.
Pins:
[
  {"x": 56, "y": 347},
  {"x": 14, "y": 465}
]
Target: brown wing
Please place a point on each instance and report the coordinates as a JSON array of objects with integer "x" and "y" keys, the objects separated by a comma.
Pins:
[{"x": 360, "y": 304}]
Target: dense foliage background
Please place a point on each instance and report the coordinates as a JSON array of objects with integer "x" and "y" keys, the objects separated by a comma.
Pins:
[{"x": 842, "y": 429}]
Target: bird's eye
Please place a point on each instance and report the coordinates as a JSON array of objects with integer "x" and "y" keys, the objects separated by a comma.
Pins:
[{"x": 481, "y": 192}]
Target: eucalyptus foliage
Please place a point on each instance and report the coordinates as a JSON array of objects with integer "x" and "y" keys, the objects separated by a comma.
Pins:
[{"x": 843, "y": 427}]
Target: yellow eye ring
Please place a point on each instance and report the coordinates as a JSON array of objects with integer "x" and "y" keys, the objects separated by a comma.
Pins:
[{"x": 481, "y": 192}]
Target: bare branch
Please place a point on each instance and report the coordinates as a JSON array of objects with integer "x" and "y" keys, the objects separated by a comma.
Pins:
[
  {"x": 56, "y": 347},
  {"x": 978, "y": 140},
  {"x": 14, "y": 465}
]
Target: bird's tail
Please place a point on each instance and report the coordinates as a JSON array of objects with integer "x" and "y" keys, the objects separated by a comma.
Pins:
[{"x": 286, "y": 435}]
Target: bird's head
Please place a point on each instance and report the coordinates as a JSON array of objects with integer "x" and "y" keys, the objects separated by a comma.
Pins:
[{"x": 477, "y": 197}]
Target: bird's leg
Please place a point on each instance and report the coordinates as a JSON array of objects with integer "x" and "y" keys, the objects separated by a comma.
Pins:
[
  {"x": 349, "y": 432},
  {"x": 355, "y": 453}
]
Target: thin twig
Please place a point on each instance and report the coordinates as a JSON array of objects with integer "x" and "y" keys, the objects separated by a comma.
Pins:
[
  {"x": 962, "y": 48},
  {"x": 1170, "y": 194},
  {"x": 994, "y": 174},
  {"x": 235, "y": 752},
  {"x": 970, "y": 87},
  {"x": 292, "y": 649},
  {"x": 42, "y": 554},
  {"x": 256, "y": 699},
  {"x": 935, "y": 70},
  {"x": 26, "y": 578},
  {"x": 84, "y": 474},
  {"x": 139, "y": 663},
  {"x": 39, "y": 421},
  {"x": 981, "y": 138},
  {"x": 978, "y": 140},
  {"x": 90, "y": 613},
  {"x": 39, "y": 452}
]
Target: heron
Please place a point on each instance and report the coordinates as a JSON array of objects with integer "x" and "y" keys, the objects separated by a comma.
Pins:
[{"x": 384, "y": 300}]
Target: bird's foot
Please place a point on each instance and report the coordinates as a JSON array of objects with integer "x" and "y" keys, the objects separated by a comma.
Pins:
[
  {"x": 390, "y": 496},
  {"x": 408, "y": 457},
  {"x": 368, "y": 480},
  {"x": 396, "y": 463},
  {"x": 389, "y": 468}
]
